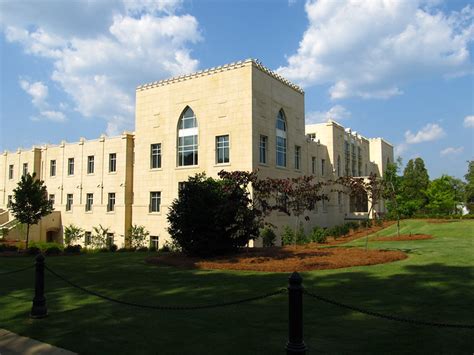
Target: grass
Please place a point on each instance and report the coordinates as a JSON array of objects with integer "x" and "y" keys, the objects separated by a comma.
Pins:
[{"x": 436, "y": 283}]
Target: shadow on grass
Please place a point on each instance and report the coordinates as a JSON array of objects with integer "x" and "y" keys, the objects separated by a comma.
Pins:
[{"x": 88, "y": 325}]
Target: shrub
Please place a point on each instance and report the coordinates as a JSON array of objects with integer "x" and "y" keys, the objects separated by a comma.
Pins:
[
  {"x": 142, "y": 249},
  {"x": 72, "y": 234},
  {"x": 125, "y": 250},
  {"x": 268, "y": 237},
  {"x": 33, "y": 251},
  {"x": 152, "y": 249},
  {"x": 318, "y": 235},
  {"x": 103, "y": 250},
  {"x": 113, "y": 248},
  {"x": 73, "y": 249},
  {"x": 6, "y": 247},
  {"x": 212, "y": 217},
  {"x": 43, "y": 246},
  {"x": 288, "y": 236},
  {"x": 136, "y": 236},
  {"x": 52, "y": 250},
  {"x": 300, "y": 235}
]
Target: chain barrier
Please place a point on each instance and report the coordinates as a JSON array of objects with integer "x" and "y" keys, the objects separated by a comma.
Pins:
[
  {"x": 15, "y": 271},
  {"x": 389, "y": 317},
  {"x": 167, "y": 308}
]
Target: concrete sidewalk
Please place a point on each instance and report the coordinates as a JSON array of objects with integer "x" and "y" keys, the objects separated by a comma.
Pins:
[{"x": 14, "y": 344}]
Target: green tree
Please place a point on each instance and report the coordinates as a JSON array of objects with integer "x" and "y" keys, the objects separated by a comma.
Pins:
[
  {"x": 444, "y": 194},
  {"x": 391, "y": 193},
  {"x": 30, "y": 202},
  {"x": 137, "y": 236},
  {"x": 414, "y": 185},
  {"x": 469, "y": 190},
  {"x": 100, "y": 237},
  {"x": 72, "y": 233},
  {"x": 213, "y": 217}
]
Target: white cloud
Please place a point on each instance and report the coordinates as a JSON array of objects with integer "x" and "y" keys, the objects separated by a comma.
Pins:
[
  {"x": 144, "y": 42},
  {"x": 469, "y": 121},
  {"x": 451, "y": 151},
  {"x": 336, "y": 113},
  {"x": 369, "y": 49},
  {"x": 430, "y": 132},
  {"x": 38, "y": 92},
  {"x": 55, "y": 116}
]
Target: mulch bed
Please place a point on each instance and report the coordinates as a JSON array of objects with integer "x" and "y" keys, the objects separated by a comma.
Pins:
[
  {"x": 283, "y": 259},
  {"x": 404, "y": 237},
  {"x": 362, "y": 232}
]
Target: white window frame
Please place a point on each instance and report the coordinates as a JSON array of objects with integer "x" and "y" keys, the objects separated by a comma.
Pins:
[
  {"x": 112, "y": 162},
  {"x": 155, "y": 201},
  {"x": 222, "y": 149},
  {"x": 155, "y": 156}
]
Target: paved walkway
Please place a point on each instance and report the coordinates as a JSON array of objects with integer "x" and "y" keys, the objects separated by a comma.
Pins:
[{"x": 14, "y": 344}]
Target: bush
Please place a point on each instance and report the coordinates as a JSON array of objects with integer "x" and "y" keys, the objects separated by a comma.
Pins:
[
  {"x": 288, "y": 236},
  {"x": 113, "y": 248},
  {"x": 212, "y": 217},
  {"x": 103, "y": 250},
  {"x": 43, "y": 246},
  {"x": 6, "y": 247},
  {"x": 318, "y": 235},
  {"x": 72, "y": 234},
  {"x": 33, "y": 251},
  {"x": 125, "y": 250},
  {"x": 136, "y": 236},
  {"x": 142, "y": 249},
  {"x": 268, "y": 237},
  {"x": 153, "y": 249},
  {"x": 73, "y": 249},
  {"x": 52, "y": 250},
  {"x": 300, "y": 235}
]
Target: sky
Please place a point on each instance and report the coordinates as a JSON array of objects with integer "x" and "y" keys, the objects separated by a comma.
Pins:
[{"x": 397, "y": 69}]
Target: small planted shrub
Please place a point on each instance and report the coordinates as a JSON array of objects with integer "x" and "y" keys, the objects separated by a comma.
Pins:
[
  {"x": 73, "y": 249},
  {"x": 53, "y": 250},
  {"x": 113, "y": 248},
  {"x": 6, "y": 247},
  {"x": 288, "y": 236},
  {"x": 318, "y": 235},
  {"x": 43, "y": 246},
  {"x": 142, "y": 249},
  {"x": 300, "y": 235},
  {"x": 268, "y": 237},
  {"x": 152, "y": 249},
  {"x": 33, "y": 251}
]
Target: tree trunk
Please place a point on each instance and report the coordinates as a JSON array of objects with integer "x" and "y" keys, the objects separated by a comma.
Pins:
[{"x": 27, "y": 234}]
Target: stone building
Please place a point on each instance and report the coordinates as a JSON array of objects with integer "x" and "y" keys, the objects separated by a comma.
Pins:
[{"x": 239, "y": 116}]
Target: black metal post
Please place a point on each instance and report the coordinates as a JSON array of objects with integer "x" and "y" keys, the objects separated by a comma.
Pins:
[
  {"x": 39, "y": 309},
  {"x": 295, "y": 344}
]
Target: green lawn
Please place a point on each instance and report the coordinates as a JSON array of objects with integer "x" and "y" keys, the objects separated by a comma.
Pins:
[{"x": 436, "y": 283}]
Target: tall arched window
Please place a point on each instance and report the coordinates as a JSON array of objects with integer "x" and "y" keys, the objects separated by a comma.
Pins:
[
  {"x": 281, "y": 139},
  {"x": 338, "y": 165},
  {"x": 187, "y": 138}
]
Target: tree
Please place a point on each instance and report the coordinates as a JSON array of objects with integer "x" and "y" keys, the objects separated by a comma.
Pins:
[
  {"x": 414, "y": 184},
  {"x": 444, "y": 194},
  {"x": 100, "y": 237},
  {"x": 213, "y": 217},
  {"x": 30, "y": 202},
  {"x": 136, "y": 236},
  {"x": 392, "y": 191},
  {"x": 469, "y": 191},
  {"x": 72, "y": 233}
]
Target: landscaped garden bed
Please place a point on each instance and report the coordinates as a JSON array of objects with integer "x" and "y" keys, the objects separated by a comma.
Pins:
[
  {"x": 284, "y": 259},
  {"x": 403, "y": 237}
]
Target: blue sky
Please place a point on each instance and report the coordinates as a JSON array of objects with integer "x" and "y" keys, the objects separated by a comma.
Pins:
[{"x": 400, "y": 69}]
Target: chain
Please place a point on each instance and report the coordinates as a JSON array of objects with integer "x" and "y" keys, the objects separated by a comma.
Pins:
[
  {"x": 389, "y": 317},
  {"x": 167, "y": 308},
  {"x": 15, "y": 271}
]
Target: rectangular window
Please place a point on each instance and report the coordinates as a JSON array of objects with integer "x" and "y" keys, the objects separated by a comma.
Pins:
[
  {"x": 90, "y": 164},
  {"x": 263, "y": 149},
  {"x": 280, "y": 151},
  {"x": 325, "y": 205},
  {"x": 313, "y": 165},
  {"x": 87, "y": 238},
  {"x": 155, "y": 156},
  {"x": 297, "y": 157},
  {"x": 111, "y": 202},
  {"x": 154, "y": 242},
  {"x": 52, "y": 168},
  {"x": 70, "y": 166},
  {"x": 25, "y": 169},
  {"x": 112, "y": 162},
  {"x": 155, "y": 201},
  {"x": 188, "y": 150},
  {"x": 323, "y": 165},
  {"x": 10, "y": 200},
  {"x": 51, "y": 199},
  {"x": 282, "y": 201},
  {"x": 110, "y": 239},
  {"x": 69, "y": 202},
  {"x": 89, "y": 201},
  {"x": 10, "y": 172},
  {"x": 222, "y": 149}
]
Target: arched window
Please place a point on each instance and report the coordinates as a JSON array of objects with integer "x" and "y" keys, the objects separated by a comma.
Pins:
[
  {"x": 187, "y": 138},
  {"x": 338, "y": 165},
  {"x": 281, "y": 139}
]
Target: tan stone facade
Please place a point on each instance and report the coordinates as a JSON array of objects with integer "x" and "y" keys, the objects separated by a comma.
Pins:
[{"x": 221, "y": 118}]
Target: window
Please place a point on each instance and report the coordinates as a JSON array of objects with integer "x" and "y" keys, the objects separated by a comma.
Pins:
[
  {"x": 155, "y": 200},
  {"x": 154, "y": 242},
  {"x": 70, "y": 166},
  {"x": 282, "y": 201},
  {"x": 52, "y": 168},
  {"x": 181, "y": 185},
  {"x": 222, "y": 149},
  {"x": 89, "y": 201},
  {"x": 10, "y": 172},
  {"x": 325, "y": 205},
  {"x": 69, "y": 202},
  {"x": 51, "y": 199},
  {"x": 281, "y": 139},
  {"x": 263, "y": 149},
  {"x": 187, "y": 139},
  {"x": 87, "y": 238},
  {"x": 155, "y": 156},
  {"x": 338, "y": 165},
  {"x": 10, "y": 200},
  {"x": 110, "y": 240},
  {"x": 112, "y": 162},
  {"x": 297, "y": 157},
  {"x": 323, "y": 165},
  {"x": 25, "y": 169},
  {"x": 111, "y": 202},
  {"x": 313, "y": 165},
  {"x": 90, "y": 164}
]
